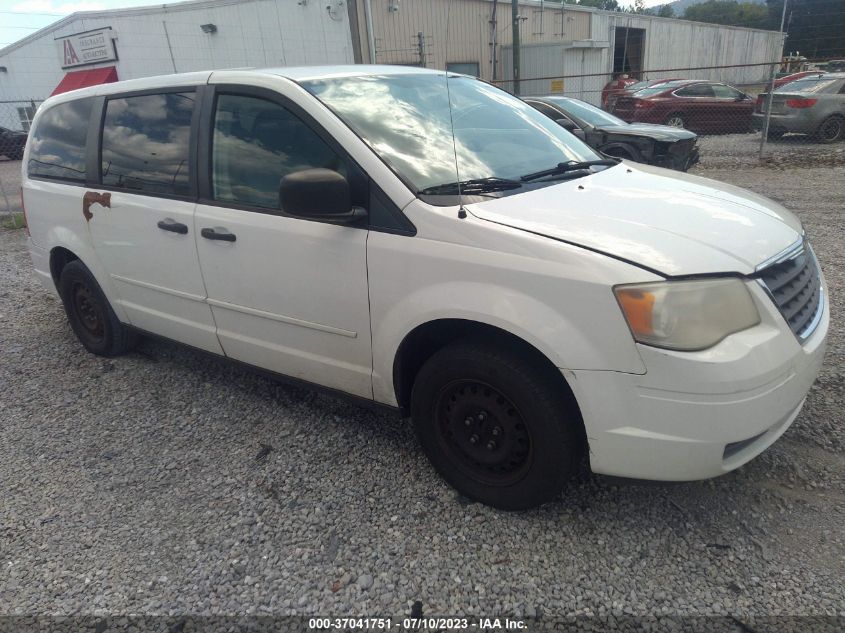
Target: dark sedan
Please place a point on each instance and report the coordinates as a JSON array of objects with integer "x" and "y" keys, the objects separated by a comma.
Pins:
[
  {"x": 12, "y": 143},
  {"x": 655, "y": 144},
  {"x": 700, "y": 106}
]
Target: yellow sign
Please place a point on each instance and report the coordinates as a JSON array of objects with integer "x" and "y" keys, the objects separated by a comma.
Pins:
[{"x": 556, "y": 85}]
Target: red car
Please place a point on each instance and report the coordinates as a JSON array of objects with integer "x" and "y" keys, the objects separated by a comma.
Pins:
[
  {"x": 790, "y": 78},
  {"x": 632, "y": 88},
  {"x": 614, "y": 87},
  {"x": 697, "y": 105}
]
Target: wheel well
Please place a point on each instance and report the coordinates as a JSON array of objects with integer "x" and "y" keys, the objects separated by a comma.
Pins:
[
  {"x": 620, "y": 150},
  {"x": 422, "y": 342},
  {"x": 59, "y": 258}
]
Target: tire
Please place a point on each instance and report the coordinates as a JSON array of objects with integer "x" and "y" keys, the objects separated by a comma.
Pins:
[
  {"x": 831, "y": 130},
  {"x": 496, "y": 426},
  {"x": 676, "y": 119},
  {"x": 16, "y": 154},
  {"x": 90, "y": 315}
]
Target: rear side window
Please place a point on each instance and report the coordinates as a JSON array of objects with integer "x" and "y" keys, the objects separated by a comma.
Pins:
[
  {"x": 696, "y": 90},
  {"x": 57, "y": 147},
  {"x": 255, "y": 144},
  {"x": 145, "y": 143}
]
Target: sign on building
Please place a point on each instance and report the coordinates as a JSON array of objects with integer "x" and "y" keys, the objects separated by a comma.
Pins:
[{"x": 90, "y": 47}]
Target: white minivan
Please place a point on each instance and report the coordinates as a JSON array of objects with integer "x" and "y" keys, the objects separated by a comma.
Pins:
[{"x": 428, "y": 243}]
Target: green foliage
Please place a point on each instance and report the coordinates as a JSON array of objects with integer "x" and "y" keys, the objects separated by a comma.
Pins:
[
  {"x": 666, "y": 11},
  {"x": 606, "y": 5},
  {"x": 731, "y": 13}
]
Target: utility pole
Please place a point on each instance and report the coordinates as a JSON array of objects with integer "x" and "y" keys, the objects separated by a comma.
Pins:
[
  {"x": 515, "y": 18},
  {"x": 768, "y": 102}
]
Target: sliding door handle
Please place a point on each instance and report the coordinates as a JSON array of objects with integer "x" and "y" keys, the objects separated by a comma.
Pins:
[
  {"x": 218, "y": 234},
  {"x": 168, "y": 224}
]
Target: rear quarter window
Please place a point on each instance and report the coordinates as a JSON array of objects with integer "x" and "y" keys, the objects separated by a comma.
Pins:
[{"x": 58, "y": 148}]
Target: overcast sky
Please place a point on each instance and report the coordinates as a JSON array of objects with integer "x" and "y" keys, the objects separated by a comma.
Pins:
[{"x": 19, "y": 18}]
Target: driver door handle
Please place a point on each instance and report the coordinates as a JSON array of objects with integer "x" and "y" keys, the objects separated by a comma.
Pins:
[{"x": 218, "y": 234}]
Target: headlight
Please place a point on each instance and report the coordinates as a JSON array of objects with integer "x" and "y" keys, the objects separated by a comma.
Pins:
[{"x": 687, "y": 315}]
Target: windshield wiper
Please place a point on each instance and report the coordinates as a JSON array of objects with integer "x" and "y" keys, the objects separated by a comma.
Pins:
[
  {"x": 563, "y": 168},
  {"x": 473, "y": 186}
]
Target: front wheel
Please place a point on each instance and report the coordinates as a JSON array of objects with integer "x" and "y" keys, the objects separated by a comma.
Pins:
[
  {"x": 499, "y": 428},
  {"x": 676, "y": 119},
  {"x": 90, "y": 315}
]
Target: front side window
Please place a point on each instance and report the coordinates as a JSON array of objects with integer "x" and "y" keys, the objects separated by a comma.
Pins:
[
  {"x": 145, "y": 143},
  {"x": 57, "y": 146},
  {"x": 256, "y": 143},
  {"x": 408, "y": 123}
]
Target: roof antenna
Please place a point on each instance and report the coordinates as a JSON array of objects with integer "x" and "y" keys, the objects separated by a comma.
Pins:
[{"x": 462, "y": 212}]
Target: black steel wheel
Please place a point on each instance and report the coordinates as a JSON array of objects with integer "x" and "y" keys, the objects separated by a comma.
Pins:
[
  {"x": 498, "y": 424},
  {"x": 483, "y": 432},
  {"x": 89, "y": 313}
]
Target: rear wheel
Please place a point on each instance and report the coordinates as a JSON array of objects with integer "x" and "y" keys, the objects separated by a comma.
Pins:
[
  {"x": 831, "y": 130},
  {"x": 497, "y": 427},
  {"x": 90, "y": 315},
  {"x": 676, "y": 119}
]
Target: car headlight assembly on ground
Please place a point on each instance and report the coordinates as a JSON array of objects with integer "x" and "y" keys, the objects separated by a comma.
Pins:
[{"x": 687, "y": 315}]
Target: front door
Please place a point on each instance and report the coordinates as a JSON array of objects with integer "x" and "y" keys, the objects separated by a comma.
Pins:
[
  {"x": 287, "y": 294},
  {"x": 141, "y": 220}
]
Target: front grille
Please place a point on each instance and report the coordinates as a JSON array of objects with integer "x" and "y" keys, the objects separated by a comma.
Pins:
[{"x": 794, "y": 284}]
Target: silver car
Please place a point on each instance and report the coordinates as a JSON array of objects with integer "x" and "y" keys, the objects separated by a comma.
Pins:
[{"x": 813, "y": 105}]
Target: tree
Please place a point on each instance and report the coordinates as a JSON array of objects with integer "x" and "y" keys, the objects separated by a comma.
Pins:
[
  {"x": 730, "y": 12},
  {"x": 814, "y": 27},
  {"x": 666, "y": 11},
  {"x": 606, "y": 5}
]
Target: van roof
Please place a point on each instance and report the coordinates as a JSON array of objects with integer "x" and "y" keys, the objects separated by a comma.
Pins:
[{"x": 293, "y": 73}]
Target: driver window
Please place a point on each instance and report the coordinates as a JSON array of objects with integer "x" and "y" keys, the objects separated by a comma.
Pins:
[{"x": 255, "y": 144}]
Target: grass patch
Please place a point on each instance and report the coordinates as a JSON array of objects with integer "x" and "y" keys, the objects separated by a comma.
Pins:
[{"x": 11, "y": 221}]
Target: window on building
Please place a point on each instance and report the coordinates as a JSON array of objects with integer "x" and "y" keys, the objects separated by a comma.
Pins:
[
  {"x": 145, "y": 143},
  {"x": 464, "y": 68},
  {"x": 25, "y": 115},
  {"x": 256, "y": 143},
  {"x": 57, "y": 145}
]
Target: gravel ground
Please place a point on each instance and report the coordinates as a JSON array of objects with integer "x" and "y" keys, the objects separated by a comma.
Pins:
[{"x": 165, "y": 482}]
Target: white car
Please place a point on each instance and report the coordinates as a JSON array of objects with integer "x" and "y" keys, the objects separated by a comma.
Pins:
[{"x": 436, "y": 246}]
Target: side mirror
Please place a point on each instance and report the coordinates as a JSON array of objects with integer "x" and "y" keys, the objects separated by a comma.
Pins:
[
  {"x": 566, "y": 124},
  {"x": 319, "y": 194}
]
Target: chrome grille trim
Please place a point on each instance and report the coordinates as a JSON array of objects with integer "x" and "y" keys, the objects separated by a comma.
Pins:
[{"x": 792, "y": 280}]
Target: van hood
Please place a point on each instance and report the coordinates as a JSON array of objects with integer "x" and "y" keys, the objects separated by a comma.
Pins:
[{"x": 666, "y": 221}]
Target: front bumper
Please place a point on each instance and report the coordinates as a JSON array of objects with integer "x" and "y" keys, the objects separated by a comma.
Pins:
[{"x": 695, "y": 415}]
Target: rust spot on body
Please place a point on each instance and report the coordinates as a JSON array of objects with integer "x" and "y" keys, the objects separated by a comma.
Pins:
[{"x": 94, "y": 197}]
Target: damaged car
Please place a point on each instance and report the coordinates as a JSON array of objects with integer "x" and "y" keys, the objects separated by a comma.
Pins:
[{"x": 659, "y": 145}]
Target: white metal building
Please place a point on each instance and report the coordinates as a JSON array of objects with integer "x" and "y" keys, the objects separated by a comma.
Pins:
[
  {"x": 169, "y": 38},
  {"x": 561, "y": 43}
]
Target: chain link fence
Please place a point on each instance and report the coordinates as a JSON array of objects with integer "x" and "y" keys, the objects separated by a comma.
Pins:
[{"x": 15, "y": 119}]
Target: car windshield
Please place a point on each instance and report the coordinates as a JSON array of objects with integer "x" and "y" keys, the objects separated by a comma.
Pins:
[
  {"x": 407, "y": 121},
  {"x": 807, "y": 84},
  {"x": 587, "y": 113}
]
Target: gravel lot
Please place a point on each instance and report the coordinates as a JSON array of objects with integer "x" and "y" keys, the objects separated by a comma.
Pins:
[{"x": 166, "y": 483}]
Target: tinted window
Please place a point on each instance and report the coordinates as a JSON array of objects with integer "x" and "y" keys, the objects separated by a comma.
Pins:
[
  {"x": 58, "y": 143},
  {"x": 696, "y": 90},
  {"x": 145, "y": 143},
  {"x": 548, "y": 110},
  {"x": 657, "y": 89},
  {"x": 256, "y": 143},
  {"x": 586, "y": 112},
  {"x": 807, "y": 84},
  {"x": 725, "y": 92}
]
